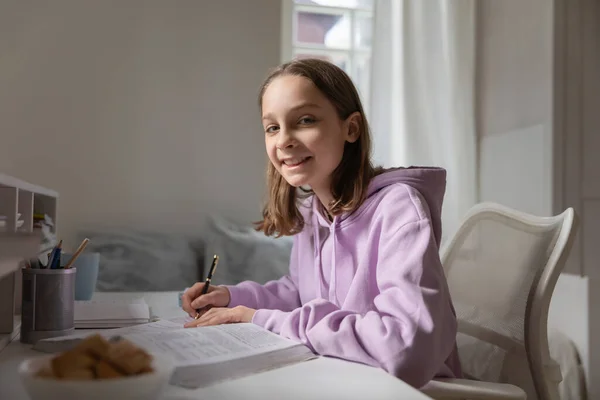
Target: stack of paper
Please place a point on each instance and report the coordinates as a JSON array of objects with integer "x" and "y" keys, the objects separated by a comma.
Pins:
[{"x": 110, "y": 314}]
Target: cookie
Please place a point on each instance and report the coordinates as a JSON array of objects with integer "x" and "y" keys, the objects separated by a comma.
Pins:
[
  {"x": 94, "y": 345},
  {"x": 127, "y": 357},
  {"x": 105, "y": 370},
  {"x": 64, "y": 365}
]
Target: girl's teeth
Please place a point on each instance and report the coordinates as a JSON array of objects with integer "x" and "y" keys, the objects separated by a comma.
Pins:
[{"x": 295, "y": 161}]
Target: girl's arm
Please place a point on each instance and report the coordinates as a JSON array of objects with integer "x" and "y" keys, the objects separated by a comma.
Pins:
[
  {"x": 412, "y": 329},
  {"x": 279, "y": 294}
]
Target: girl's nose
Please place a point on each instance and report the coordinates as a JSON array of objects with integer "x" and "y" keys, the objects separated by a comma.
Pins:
[{"x": 284, "y": 139}]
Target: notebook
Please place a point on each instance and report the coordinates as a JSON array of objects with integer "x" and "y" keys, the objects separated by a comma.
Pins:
[
  {"x": 206, "y": 355},
  {"x": 110, "y": 314}
]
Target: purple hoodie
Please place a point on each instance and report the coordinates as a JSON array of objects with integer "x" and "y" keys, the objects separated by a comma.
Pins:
[{"x": 369, "y": 287}]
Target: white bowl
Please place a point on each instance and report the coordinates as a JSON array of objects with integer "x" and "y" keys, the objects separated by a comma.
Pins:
[{"x": 145, "y": 386}]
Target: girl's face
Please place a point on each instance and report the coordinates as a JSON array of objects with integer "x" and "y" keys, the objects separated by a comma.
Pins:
[{"x": 304, "y": 136}]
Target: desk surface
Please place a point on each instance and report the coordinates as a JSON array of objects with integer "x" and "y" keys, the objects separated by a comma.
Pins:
[{"x": 322, "y": 378}]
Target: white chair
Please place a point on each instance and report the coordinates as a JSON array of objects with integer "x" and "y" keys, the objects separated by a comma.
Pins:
[{"x": 502, "y": 266}]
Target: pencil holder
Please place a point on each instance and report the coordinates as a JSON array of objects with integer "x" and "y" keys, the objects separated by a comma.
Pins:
[{"x": 48, "y": 301}]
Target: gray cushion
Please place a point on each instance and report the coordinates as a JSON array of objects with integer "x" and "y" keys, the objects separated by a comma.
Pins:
[
  {"x": 143, "y": 261},
  {"x": 244, "y": 254}
]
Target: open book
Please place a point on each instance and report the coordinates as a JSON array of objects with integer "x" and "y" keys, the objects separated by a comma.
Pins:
[{"x": 205, "y": 355}]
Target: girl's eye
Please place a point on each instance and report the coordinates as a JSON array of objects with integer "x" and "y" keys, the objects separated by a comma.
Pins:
[
  {"x": 271, "y": 129},
  {"x": 306, "y": 121}
]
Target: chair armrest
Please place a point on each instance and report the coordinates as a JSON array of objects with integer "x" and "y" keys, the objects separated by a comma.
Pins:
[{"x": 448, "y": 389}]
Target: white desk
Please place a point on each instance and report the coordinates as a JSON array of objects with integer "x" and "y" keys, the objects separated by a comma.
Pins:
[{"x": 322, "y": 378}]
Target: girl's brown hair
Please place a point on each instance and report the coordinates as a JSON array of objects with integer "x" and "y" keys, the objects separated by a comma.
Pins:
[{"x": 349, "y": 185}]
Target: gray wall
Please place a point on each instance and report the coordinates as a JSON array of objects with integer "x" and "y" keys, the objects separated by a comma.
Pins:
[
  {"x": 515, "y": 66},
  {"x": 139, "y": 113}
]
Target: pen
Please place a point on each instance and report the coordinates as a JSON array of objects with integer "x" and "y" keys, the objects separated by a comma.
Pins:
[
  {"x": 211, "y": 271},
  {"x": 52, "y": 255},
  {"x": 56, "y": 260}
]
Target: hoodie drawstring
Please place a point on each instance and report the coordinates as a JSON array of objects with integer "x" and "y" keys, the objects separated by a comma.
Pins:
[
  {"x": 319, "y": 273},
  {"x": 333, "y": 274},
  {"x": 317, "y": 244}
]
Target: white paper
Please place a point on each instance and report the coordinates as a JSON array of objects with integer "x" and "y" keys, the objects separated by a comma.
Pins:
[
  {"x": 135, "y": 300},
  {"x": 110, "y": 313}
]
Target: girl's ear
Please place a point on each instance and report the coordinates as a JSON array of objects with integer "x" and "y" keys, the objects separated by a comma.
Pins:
[{"x": 353, "y": 127}]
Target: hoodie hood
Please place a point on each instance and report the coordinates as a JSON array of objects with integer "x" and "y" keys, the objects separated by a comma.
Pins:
[{"x": 430, "y": 182}]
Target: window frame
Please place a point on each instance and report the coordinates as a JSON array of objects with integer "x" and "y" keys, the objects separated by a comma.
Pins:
[{"x": 289, "y": 47}]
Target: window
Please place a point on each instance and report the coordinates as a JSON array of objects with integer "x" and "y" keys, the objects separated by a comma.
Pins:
[{"x": 339, "y": 31}]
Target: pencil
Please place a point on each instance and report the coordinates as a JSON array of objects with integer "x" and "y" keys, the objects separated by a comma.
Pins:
[
  {"x": 77, "y": 253},
  {"x": 211, "y": 271}
]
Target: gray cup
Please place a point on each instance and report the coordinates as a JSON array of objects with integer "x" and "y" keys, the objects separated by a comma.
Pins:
[
  {"x": 87, "y": 265},
  {"x": 48, "y": 301}
]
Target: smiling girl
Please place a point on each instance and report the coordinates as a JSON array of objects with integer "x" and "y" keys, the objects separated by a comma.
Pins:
[{"x": 366, "y": 283}]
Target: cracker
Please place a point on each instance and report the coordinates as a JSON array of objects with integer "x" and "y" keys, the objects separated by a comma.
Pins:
[
  {"x": 63, "y": 365},
  {"x": 128, "y": 358},
  {"x": 147, "y": 370},
  {"x": 104, "y": 370},
  {"x": 94, "y": 345}
]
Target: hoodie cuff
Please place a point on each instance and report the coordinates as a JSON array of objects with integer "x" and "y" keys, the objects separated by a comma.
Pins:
[
  {"x": 271, "y": 320},
  {"x": 237, "y": 296}
]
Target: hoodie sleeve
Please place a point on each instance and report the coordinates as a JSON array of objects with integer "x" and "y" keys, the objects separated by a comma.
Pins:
[
  {"x": 410, "y": 331},
  {"x": 279, "y": 294}
]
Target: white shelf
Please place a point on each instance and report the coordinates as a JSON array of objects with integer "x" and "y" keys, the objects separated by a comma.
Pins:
[
  {"x": 19, "y": 200},
  {"x": 9, "y": 181},
  {"x": 24, "y": 198}
]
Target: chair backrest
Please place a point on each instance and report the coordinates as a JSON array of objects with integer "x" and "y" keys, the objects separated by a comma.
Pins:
[{"x": 502, "y": 266}]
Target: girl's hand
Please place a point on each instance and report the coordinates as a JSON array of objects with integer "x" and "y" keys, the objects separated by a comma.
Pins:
[
  {"x": 217, "y": 296},
  {"x": 217, "y": 316}
]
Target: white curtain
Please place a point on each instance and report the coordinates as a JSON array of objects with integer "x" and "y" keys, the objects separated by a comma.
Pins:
[{"x": 422, "y": 93}]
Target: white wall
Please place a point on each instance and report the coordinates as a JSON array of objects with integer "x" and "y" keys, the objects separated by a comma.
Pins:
[
  {"x": 515, "y": 87},
  {"x": 139, "y": 112}
]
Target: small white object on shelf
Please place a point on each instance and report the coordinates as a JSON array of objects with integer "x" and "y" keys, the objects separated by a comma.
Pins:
[{"x": 3, "y": 224}]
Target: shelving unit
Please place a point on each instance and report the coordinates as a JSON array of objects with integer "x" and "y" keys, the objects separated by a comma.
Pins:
[{"x": 19, "y": 201}]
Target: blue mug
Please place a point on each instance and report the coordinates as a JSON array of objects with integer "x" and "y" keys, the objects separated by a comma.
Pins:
[{"x": 87, "y": 265}]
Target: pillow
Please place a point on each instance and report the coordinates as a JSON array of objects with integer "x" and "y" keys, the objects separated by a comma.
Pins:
[
  {"x": 244, "y": 254},
  {"x": 143, "y": 261}
]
